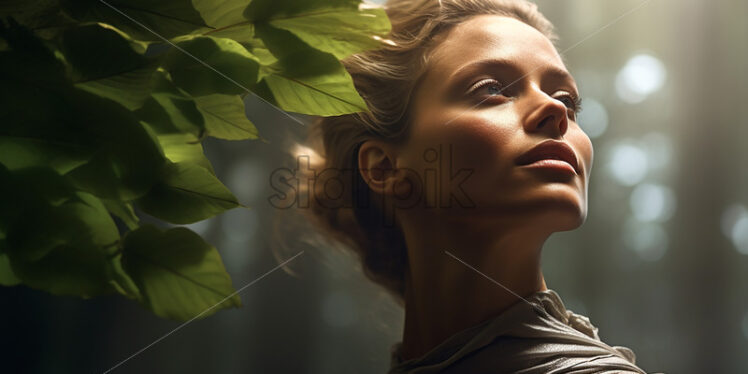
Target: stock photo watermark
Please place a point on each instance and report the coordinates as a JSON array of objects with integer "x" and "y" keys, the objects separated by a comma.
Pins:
[{"x": 438, "y": 185}]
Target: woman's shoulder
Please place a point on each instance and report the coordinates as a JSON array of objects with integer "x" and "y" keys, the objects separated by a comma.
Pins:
[{"x": 536, "y": 335}]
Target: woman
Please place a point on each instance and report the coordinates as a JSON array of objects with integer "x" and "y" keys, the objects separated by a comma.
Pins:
[{"x": 469, "y": 159}]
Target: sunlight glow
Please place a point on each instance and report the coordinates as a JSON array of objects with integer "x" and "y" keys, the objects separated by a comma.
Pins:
[{"x": 641, "y": 76}]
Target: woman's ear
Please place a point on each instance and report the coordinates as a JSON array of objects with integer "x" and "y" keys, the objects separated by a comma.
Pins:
[{"x": 376, "y": 162}]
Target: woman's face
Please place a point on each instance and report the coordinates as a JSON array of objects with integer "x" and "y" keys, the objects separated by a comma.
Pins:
[{"x": 494, "y": 89}]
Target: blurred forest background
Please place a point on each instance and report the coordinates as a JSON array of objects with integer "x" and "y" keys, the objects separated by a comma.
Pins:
[{"x": 660, "y": 266}]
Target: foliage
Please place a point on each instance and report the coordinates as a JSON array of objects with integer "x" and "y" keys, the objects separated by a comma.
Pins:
[{"x": 104, "y": 106}]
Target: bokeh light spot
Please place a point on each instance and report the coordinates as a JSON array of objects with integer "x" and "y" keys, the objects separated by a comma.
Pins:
[
  {"x": 593, "y": 118},
  {"x": 641, "y": 76},
  {"x": 735, "y": 226},
  {"x": 628, "y": 163},
  {"x": 652, "y": 202}
]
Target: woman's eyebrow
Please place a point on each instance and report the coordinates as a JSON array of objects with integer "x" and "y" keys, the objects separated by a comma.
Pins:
[{"x": 555, "y": 73}]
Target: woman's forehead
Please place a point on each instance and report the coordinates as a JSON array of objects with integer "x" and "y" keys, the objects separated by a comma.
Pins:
[{"x": 493, "y": 37}]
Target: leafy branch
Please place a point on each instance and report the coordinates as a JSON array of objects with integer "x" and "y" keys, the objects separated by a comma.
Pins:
[{"x": 98, "y": 131}]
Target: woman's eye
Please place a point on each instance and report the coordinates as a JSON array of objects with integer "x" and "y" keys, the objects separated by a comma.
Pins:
[
  {"x": 571, "y": 102},
  {"x": 493, "y": 89},
  {"x": 488, "y": 86},
  {"x": 568, "y": 101}
]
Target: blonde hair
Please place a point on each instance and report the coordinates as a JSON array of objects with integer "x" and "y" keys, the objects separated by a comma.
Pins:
[{"x": 385, "y": 79}]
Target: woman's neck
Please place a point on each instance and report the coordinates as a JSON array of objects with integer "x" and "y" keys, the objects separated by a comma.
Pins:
[{"x": 463, "y": 274}]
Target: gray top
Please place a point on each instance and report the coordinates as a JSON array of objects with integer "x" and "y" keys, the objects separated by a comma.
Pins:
[{"x": 539, "y": 336}]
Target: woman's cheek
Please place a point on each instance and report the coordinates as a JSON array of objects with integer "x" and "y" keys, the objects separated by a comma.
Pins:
[{"x": 478, "y": 144}]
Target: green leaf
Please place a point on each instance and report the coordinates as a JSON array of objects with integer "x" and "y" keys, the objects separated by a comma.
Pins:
[
  {"x": 67, "y": 270},
  {"x": 23, "y": 152},
  {"x": 43, "y": 16},
  {"x": 120, "y": 280},
  {"x": 308, "y": 81},
  {"x": 7, "y": 277},
  {"x": 114, "y": 129},
  {"x": 214, "y": 65},
  {"x": 341, "y": 32},
  {"x": 265, "y": 10},
  {"x": 124, "y": 160},
  {"x": 143, "y": 19},
  {"x": 258, "y": 48},
  {"x": 225, "y": 18},
  {"x": 39, "y": 183},
  {"x": 184, "y": 148},
  {"x": 82, "y": 222},
  {"x": 323, "y": 96},
  {"x": 26, "y": 60},
  {"x": 225, "y": 117},
  {"x": 240, "y": 32},
  {"x": 180, "y": 275},
  {"x": 171, "y": 110},
  {"x": 25, "y": 196},
  {"x": 221, "y": 13},
  {"x": 123, "y": 211},
  {"x": 108, "y": 63},
  {"x": 187, "y": 193},
  {"x": 129, "y": 159},
  {"x": 263, "y": 91},
  {"x": 33, "y": 77},
  {"x": 51, "y": 137},
  {"x": 61, "y": 249}
]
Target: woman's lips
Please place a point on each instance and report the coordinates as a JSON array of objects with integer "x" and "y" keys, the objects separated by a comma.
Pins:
[
  {"x": 552, "y": 164},
  {"x": 551, "y": 154}
]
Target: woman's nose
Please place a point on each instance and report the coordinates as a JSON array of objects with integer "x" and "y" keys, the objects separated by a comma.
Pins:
[{"x": 547, "y": 115}]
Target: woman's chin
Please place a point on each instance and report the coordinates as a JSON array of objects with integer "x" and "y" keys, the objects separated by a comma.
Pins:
[
  {"x": 557, "y": 212},
  {"x": 572, "y": 222}
]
